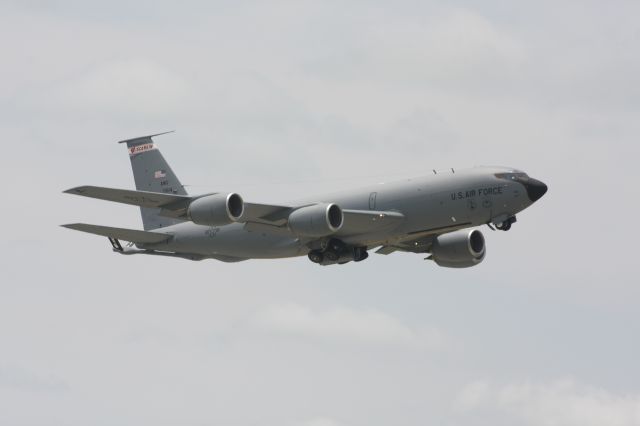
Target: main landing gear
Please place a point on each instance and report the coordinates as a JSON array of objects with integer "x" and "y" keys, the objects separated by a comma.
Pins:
[
  {"x": 506, "y": 224},
  {"x": 338, "y": 252}
]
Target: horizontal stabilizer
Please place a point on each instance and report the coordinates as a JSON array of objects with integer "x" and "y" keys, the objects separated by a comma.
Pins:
[
  {"x": 135, "y": 198},
  {"x": 143, "y": 139},
  {"x": 132, "y": 235}
]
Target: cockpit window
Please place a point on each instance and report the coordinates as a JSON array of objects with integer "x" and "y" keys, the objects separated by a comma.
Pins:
[{"x": 512, "y": 176}]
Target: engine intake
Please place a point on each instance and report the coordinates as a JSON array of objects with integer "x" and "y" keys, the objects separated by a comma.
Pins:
[
  {"x": 216, "y": 210},
  {"x": 318, "y": 220},
  {"x": 460, "y": 249}
]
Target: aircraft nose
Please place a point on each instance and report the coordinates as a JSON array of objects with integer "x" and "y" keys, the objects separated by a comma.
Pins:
[{"x": 535, "y": 189}]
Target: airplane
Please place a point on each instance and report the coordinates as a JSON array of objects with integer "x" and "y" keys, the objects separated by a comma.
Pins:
[{"x": 437, "y": 214}]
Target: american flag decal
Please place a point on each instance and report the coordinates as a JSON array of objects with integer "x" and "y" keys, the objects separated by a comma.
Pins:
[{"x": 160, "y": 174}]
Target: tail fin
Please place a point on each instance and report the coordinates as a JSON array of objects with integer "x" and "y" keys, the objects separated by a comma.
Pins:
[{"x": 152, "y": 173}]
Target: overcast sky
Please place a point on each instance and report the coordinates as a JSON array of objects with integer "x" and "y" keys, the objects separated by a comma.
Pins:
[{"x": 280, "y": 99}]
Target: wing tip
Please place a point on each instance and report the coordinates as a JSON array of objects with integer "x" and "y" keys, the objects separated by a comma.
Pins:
[
  {"x": 78, "y": 190},
  {"x": 74, "y": 226}
]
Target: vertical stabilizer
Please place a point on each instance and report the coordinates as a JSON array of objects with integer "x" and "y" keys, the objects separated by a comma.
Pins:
[{"x": 152, "y": 173}]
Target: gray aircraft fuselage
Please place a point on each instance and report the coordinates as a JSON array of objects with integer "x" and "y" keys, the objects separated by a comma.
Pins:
[{"x": 433, "y": 204}]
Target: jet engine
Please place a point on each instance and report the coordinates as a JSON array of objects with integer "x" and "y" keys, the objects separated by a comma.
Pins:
[
  {"x": 318, "y": 220},
  {"x": 216, "y": 209},
  {"x": 460, "y": 249}
]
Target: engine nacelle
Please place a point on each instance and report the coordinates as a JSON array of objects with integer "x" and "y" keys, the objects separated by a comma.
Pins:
[
  {"x": 460, "y": 249},
  {"x": 216, "y": 210},
  {"x": 318, "y": 220}
]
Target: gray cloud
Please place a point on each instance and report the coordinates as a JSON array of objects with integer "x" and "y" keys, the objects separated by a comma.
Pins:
[
  {"x": 281, "y": 99},
  {"x": 321, "y": 421},
  {"x": 558, "y": 403},
  {"x": 341, "y": 324},
  {"x": 19, "y": 379}
]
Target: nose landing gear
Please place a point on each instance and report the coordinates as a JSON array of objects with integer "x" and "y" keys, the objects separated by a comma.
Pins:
[{"x": 505, "y": 225}]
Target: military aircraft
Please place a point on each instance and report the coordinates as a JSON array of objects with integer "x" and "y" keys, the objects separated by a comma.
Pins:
[{"x": 435, "y": 214}]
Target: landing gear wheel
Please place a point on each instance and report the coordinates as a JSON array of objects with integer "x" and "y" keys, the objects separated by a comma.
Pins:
[
  {"x": 335, "y": 251},
  {"x": 316, "y": 256},
  {"x": 331, "y": 255},
  {"x": 506, "y": 225},
  {"x": 360, "y": 254},
  {"x": 336, "y": 246}
]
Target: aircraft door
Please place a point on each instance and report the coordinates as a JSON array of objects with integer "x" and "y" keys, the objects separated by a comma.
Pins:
[{"x": 372, "y": 200}]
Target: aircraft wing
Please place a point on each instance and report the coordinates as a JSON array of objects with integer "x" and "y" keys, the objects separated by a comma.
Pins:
[
  {"x": 132, "y": 235},
  {"x": 356, "y": 222},
  {"x": 134, "y": 198},
  {"x": 265, "y": 217},
  {"x": 173, "y": 205}
]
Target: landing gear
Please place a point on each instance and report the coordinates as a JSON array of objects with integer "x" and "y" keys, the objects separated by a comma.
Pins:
[
  {"x": 360, "y": 254},
  {"x": 334, "y": 250},
  {"x": 338, "y": 252},
  {"x": 115, "y": 243},
  {"x": 506, "y": 224},
  {"x": 331, "y": 256},
  {"x": 316, "y": 256}
]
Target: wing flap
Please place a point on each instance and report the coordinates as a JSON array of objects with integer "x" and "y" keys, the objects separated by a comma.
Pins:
[
  {"x": 133, "y": 235},
  {"x": 419, "y": 241},
  {"x": 369, "y": 221},
  {"x": 387, "y": 250},
  {"x": 267, "y": 228},
  {"x": 267, "y": 214}
]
